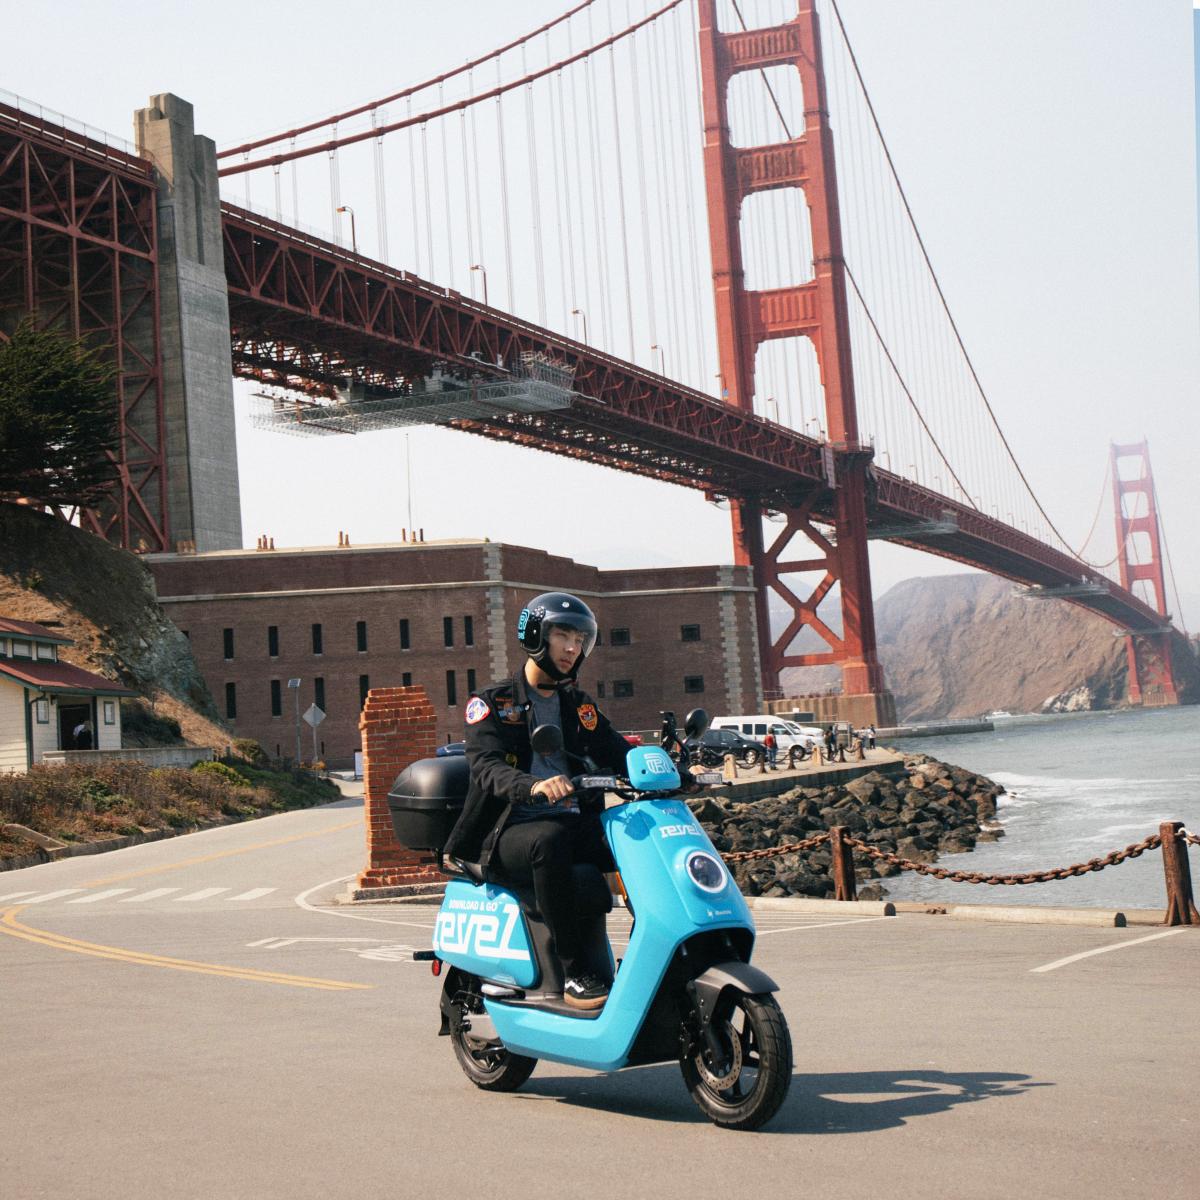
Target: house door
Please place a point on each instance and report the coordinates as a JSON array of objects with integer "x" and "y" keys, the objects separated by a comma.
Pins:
[{"x": 69, "y": 716}]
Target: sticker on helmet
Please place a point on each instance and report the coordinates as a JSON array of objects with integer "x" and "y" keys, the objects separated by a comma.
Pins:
[
  {"x": 477, "y": 709},
  {"x": 588, "y": 717},
  {"x": 522, "y": 621}
]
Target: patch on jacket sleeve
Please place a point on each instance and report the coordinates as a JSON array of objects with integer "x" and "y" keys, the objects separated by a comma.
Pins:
[
  {"x": 588, "y": 717},
  {"x": 477, "y": 709}
]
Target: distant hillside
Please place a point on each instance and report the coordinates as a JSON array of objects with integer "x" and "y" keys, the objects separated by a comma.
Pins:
[
  {"x": 959, "y": 645},
  {"x": 103, "y": 599}
]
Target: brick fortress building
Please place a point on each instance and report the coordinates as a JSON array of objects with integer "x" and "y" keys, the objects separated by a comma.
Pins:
[{"x": 443, "y": 614}]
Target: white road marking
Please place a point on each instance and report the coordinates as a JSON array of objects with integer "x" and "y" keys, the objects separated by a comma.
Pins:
[
  {"x": 52, "y": 896},
  {"x": 14, "y": 895},
  {"x": 99, "y": 896},
  {"x": 302, "y": 901},
  {"x": 152, "y": 894},
  {"x": 202, "y": 894},
  {"x": 824, "y": 925},
  {"x": 278, "y": 943},
  {"x": 252, "y": 894},
  {"x": 1062, "y": 962}
]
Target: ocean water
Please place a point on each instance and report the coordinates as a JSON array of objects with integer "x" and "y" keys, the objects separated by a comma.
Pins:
[{"x": 1078, "y": 786}]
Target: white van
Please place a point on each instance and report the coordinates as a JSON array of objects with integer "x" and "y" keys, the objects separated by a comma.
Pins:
[{"x": 787, "y": 733}]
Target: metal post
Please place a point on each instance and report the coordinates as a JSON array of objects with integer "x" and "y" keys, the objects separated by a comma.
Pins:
[
  {"x": 842, "y": 867},
  {"x": 294, "y": 688},
  {"x": 1181, "y": 907}
]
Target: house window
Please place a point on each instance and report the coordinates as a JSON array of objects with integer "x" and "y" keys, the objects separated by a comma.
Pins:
[
  {"x": 41, "y": 712},
  {"x": 619, "y": 637},
  {"x": 22, "y": 649},
  {"x": 3, "y": 647},
  {"x": 468, "y": 631},
  {"x": 471, "y": 680},
  {"x": 600, "y": 690},
  {"x": 276, "y": 699},
  {"x": 451, "y": 689},
  {"x": 46, "y": 653},
  {"x": 360, "y": 633},
  {"x": 405, "y": 644},
  {"x": 319, "y": 693},
  {"x": 110, "y": 712},
  {"x": 406, "y": 679},
  {"x": 318, "y": 640},
  {"x": 364, "y": 686},
  {"x": 448, "y": 631},
  {"x": 227, "y": 634},
  {"x": 693, "y": 683},
  {"x": 689, "y": 633},
  {"x": 622, "y": 689},
  {"x": 273, "y": 641},
  {"x": 231, "y": 701}
]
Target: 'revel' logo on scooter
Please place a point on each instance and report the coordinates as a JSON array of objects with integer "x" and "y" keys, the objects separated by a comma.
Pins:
[
  {"x": 475, "y": 927},
  {"x": 678, "y": 830}
]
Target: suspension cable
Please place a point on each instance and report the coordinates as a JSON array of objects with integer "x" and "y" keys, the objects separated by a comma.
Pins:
[
  {"x": 408, "y": 91},
  {"x": 936, "y": 283},
  {"x": 350, "y": 139}
]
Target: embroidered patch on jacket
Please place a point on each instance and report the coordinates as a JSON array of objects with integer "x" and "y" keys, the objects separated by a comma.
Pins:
[
  {"x": 588, "y": 717},
  {"x": 511, "y": 759},
  {"x": 477, "y": 709}
]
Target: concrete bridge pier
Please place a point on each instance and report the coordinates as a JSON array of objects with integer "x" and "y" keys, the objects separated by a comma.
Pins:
[{"x": 203, "y": 504}]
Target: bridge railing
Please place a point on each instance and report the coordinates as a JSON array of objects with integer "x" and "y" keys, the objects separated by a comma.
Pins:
[{"x": 28, "y": 117}]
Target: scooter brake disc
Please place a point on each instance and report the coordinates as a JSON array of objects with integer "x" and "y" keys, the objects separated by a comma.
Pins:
[{"x": 720, "y": 1082}]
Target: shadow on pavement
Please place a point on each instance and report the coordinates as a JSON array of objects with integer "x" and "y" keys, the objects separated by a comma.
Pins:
[{"x": 851, "y": 1102}]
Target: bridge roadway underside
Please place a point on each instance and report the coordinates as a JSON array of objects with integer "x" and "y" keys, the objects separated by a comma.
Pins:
[{"x": 307, "y": 313}]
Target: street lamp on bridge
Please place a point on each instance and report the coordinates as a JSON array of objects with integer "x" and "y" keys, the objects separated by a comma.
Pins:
[
  {"x": 345, "y": 208},
  {"x": 483, "y": 272},
  {"x": 662, "y": 359},
  {"x": 578, "y": 312}
]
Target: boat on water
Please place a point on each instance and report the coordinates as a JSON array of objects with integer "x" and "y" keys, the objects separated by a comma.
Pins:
[{"x": 998, "y": 714}]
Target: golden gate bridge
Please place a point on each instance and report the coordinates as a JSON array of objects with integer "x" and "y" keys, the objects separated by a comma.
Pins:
[{"x": 721, "y": 285}]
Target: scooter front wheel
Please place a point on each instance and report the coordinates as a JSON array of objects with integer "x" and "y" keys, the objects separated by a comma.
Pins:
[
  {"x": 744, "y": 1087},
  {"x": 488, "y": 1065}
]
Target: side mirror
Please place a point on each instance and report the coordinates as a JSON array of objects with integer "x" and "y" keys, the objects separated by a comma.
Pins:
[
  {"x": 696, "y": 723},
  {"x": 547, "y": 740}
]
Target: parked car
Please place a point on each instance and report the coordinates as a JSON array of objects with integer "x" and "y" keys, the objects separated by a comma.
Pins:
[
  {"x": 717, "y": 743},
  {"x": 787, "y": 733}
]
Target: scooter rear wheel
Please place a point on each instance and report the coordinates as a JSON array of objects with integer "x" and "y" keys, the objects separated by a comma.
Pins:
[
  {"x": 487, "y": 1065},
  {"x": 747, "y": 1088}
]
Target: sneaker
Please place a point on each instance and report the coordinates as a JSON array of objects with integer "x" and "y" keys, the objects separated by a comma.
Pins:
[{"x": 585, "y": 991}]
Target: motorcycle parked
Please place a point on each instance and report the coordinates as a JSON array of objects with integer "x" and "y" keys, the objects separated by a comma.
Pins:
[{"x": 685, "y": 990}]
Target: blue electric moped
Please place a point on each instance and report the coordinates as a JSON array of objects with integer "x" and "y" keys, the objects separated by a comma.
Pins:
[{"x": 685, "y": 990}]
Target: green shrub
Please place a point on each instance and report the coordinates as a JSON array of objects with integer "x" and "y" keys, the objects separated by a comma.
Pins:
[
  {"x": 251, "y": 751},
  {"x": 220, "y": 770}
]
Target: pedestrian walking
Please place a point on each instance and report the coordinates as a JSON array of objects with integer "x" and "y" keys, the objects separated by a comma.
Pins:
[{"x": 772, "y": 748}]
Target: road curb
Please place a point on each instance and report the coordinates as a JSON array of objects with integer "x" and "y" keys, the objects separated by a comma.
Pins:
[{"x": 808, "y": 904}]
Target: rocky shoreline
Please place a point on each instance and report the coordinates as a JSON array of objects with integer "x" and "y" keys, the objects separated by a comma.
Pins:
[{"x": 934, "y": 808}]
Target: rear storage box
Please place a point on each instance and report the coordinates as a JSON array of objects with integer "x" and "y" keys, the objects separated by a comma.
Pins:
[{"x": 426, "y": 800}]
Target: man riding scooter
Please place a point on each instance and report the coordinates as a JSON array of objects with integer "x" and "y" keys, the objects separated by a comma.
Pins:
[{"x": 522, "y": 822}]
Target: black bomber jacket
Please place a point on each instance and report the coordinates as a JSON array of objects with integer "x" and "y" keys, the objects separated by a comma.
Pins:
[{"x": 500, "y": 755}]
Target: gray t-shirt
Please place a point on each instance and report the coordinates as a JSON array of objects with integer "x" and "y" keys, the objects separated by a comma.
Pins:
[{"x": 546, "y": 711}]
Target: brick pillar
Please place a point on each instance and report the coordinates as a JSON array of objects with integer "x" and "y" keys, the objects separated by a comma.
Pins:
[{"x": 397, "y": 726}]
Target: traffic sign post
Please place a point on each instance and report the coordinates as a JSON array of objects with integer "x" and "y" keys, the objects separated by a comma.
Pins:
[{"x": 314, "y": 716}]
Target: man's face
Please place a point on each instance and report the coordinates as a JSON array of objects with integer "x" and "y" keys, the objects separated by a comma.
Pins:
[{"x": 566, "y": 645}]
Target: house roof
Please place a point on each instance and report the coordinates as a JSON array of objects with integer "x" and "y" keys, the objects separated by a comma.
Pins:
[
  {"x": 60, "y": 677},
  {"x": 32, "y": 630}
]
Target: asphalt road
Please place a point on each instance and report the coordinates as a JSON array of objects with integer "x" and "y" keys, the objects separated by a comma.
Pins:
[{"x": 196, "y": 1018}]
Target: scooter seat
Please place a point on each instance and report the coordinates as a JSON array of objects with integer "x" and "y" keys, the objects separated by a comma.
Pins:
[{"x": 473, "y": 871}]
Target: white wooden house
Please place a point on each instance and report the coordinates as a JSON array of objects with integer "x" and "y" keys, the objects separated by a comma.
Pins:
[{"x": 47, "y": 704}]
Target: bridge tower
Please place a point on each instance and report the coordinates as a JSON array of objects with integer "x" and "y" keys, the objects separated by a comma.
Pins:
[
  {"x": 817, "y": 310},
  {"x": 1151, "y": 676}
]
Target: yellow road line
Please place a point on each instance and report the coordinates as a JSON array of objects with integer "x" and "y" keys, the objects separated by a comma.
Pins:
[
  {"x": 190, "y": 862},
  {"x": 43, "y": 937}
]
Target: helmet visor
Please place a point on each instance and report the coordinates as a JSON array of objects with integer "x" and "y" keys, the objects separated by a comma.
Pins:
[{"x": 576, "y": 623}]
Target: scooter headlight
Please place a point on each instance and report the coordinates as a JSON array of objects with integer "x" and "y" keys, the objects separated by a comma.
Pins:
[{"x": 706, "y": 872}]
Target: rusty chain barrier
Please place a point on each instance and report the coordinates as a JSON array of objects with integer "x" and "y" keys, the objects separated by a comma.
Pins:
[{"x": 1172, "y": 838}]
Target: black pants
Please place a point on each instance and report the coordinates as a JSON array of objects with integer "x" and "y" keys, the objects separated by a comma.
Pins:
[{"x": 542, "y": 853}]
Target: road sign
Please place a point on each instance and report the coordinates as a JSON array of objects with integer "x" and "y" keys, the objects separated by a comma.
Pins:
[{"x": 313, "y": 715}]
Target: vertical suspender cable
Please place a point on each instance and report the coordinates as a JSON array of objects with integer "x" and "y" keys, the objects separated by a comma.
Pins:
[
  {"x": 535, "y": 198},
  {"x": 443, "y": 132},
  {"x": 466, "y": 191},
  {"x": 381, "y": 208},
  {"x": 598, "y": 207},
  {"x": 612, "y": 70},
  {"x": 643, "y": 206},
  {"x": 427, "y": 188},
  {"x": 508, "y": 270},
  {"x": 295, "y": 190},
  {"x": 412, "y": 187}
]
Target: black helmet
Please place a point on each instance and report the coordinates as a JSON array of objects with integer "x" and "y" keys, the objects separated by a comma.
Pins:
[{"x": 555, "y": 608}]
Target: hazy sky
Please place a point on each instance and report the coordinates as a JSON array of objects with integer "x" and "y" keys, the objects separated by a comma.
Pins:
[{"x": 1047, "y": 150}]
